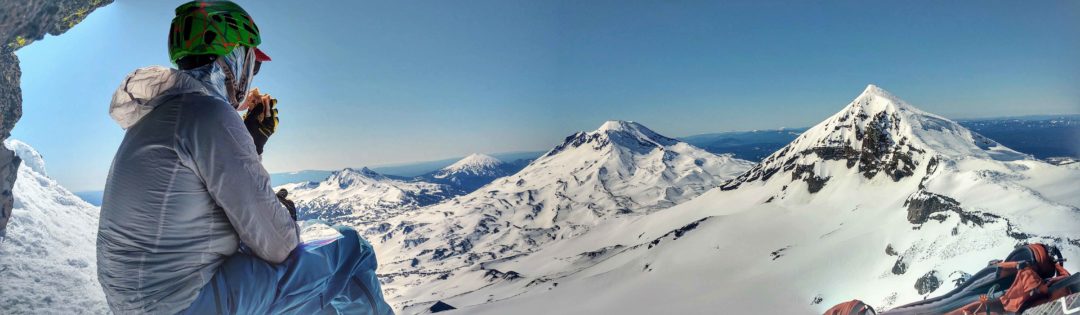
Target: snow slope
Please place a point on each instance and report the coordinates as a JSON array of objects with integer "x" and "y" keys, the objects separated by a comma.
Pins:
[
  {"x": 881, "y": 202},
  {"x": 622, "y": 169},
  {"x": 48, "y": 263},
  {"x": 360, "y": 197}
]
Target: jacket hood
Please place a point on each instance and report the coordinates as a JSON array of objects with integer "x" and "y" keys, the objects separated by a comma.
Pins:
[{"x": 134, "y": 98}]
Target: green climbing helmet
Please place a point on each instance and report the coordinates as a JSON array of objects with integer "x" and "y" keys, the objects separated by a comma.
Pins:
[{"x": 211, "y": 28}]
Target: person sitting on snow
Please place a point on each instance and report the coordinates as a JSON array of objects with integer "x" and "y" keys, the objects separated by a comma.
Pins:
[{"x": 189, "y": 222}]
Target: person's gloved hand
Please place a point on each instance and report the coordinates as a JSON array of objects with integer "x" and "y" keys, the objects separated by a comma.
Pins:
[
  {"x": 282, "y": 196},
  {"x": 261, "y": 118}
]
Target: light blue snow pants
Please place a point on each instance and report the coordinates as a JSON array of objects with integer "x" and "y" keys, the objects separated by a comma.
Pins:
[{"x": 337, "y": 278}]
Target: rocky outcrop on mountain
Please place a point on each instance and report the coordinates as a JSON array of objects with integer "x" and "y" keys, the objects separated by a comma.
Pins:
[
  {"x": 22, "y": 22},
  {"x": 928, "y": 282},
  {"x": 923, "y": 204},
  {"x": 9, "y": 166},
  {"x": 441, "y": 306}
]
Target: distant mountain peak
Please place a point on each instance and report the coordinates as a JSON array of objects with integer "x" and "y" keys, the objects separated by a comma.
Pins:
[
  {"x": 348, "y": 175},
  {"x": 620, "y": 125},
  {"x": 872, "y": 89},
  {"x": 626, "y": 134},
  {"x": 368, "y": 172},
  {"x": 874, "y": 100},
  {"x": 474, "y": 161},
  {"x": 632, "y": 128}
]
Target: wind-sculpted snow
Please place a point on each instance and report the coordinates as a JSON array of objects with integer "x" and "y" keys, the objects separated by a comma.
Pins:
[
  {"x": 622, "y": 169},
  {"x": 48, "y": 263},
  {"x": 30, "y": 157},
  {"x": 906, "y": 204}
]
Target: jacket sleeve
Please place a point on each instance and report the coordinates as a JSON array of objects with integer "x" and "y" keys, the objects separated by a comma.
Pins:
[{"x": 223, "y": 154}]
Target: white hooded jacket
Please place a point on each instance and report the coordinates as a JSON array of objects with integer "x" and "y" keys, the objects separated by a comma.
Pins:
[{"x": 185, "y": 189}]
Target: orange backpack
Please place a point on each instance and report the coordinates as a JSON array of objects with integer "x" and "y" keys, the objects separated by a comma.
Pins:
[
  {"x": 1031, "y": 275},
  {"x": 1034, "y": 284},
  {"x": 853, "y": 307}
]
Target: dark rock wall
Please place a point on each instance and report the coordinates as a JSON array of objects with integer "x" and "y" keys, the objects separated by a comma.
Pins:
[{"x": 21, "y": 23}]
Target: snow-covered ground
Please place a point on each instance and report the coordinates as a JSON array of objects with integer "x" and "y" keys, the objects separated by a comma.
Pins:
[
  {"x": 48, "y": 263},
  {"x": 860, "y": 206},
  {"x": 621, "y": 170}
]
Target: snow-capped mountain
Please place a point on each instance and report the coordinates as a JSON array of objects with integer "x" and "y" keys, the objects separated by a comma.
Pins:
[
  {"x": 620, "y": 170},
  {"x": 359, "y": 197},
  {"x": 876, "y": 133},
  {"x": 474, "y": 164},
  {"x": 47, "y": 262},
  {"x": 472, "y": 172},
  {"x": 880, "y": 202}
]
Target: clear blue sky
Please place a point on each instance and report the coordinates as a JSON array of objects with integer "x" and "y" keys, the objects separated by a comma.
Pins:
[{"x": 366, "y": 83}]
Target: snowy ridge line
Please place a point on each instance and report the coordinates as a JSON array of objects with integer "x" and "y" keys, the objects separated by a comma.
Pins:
[{"x": 885, "y": 202}]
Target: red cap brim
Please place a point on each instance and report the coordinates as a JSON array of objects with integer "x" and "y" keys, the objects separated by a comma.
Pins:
[{"x": 260, "y": 56}]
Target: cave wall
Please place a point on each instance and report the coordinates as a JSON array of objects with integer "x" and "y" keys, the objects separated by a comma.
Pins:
[{"x": 22, "y": 22}]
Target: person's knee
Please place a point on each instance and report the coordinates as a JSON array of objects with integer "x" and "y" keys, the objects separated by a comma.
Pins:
[
  {"x": 346, "y": 231},
  {"x": 351, "y": 237}
]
